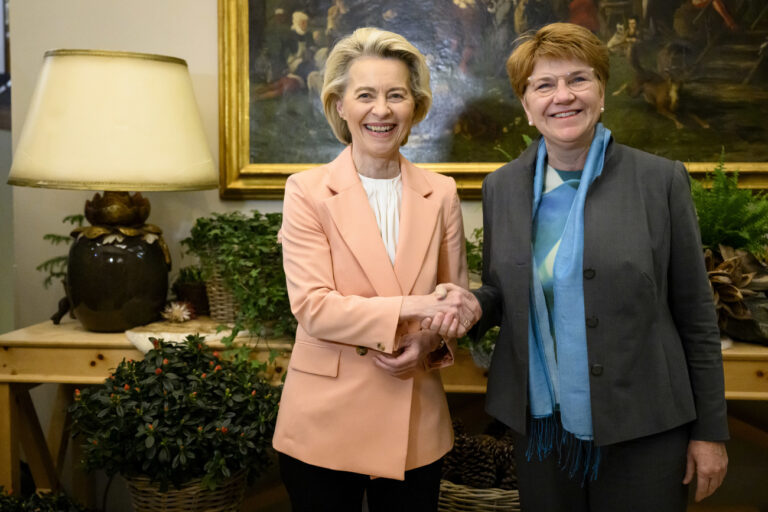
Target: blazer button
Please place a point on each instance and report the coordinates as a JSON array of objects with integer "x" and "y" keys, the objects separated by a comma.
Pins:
[
  {"x": 589, "y": 273},
  {"x": 596, "y": 370},
  {"x": 592, "y": 321},
  {"x": 361, "y": 351}
]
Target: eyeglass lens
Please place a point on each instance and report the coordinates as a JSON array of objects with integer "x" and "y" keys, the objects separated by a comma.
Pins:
[{"x": 545, "y": 85}]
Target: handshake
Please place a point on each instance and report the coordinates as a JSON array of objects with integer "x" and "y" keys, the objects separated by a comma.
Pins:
[{"x": 449, "y": 311}]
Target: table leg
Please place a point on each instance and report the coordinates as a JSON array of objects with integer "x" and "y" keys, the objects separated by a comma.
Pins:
[
  {"x": 33, "y": 441},
  {"x": 58, "y": 432},
  {"x": 9, "y": 444}
]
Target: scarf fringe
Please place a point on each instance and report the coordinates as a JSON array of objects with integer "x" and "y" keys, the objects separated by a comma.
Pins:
[{"x": 577, "y": 457}]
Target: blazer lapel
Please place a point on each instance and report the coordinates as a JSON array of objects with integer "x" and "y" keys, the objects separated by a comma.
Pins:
[
  {"x": 519, "y": 214},
  {"x": 418, "y": 219},
  {"x": 352, "y": 214}
]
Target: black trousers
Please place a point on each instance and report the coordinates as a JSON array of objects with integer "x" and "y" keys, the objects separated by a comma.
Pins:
[
  {"x": 641, "y": 475},
  {"x": 315, "y": 489}
]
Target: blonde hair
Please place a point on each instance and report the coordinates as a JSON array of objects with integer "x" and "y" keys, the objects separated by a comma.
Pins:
[
  {"x": 556, "y": 41},
  {"x": 372, "y": 42}
]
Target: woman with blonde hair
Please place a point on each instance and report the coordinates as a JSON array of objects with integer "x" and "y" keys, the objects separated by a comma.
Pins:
[{"x": 366, "y": 240}]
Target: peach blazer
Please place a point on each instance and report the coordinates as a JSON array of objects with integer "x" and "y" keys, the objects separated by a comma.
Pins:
[{"x": 338, "y": 410}]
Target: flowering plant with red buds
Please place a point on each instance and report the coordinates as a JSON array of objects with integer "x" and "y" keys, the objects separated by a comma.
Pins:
[{"x": 181, "y": 413}]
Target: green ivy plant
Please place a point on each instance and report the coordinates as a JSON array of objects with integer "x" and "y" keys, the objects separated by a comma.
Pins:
[
  {"x": 55, "y": 268},
  {"x": 729, "y": 215},
  {"x": 181, "y": 413},
  {"x": 244, "y": 251}
]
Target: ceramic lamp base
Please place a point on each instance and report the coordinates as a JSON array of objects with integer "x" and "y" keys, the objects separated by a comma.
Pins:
[{"x": 115, "y": 286}]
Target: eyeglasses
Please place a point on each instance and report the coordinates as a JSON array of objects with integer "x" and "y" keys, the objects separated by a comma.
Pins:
[{"x": 575, "y": 81}]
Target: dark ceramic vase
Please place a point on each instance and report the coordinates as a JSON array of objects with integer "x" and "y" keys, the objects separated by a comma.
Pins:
[{"x": 117, "y": 286}]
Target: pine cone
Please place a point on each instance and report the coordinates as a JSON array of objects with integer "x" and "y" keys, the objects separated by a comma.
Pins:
[
  {"x": 505, "y": 463},
  {"x": 480, "y": 467}
]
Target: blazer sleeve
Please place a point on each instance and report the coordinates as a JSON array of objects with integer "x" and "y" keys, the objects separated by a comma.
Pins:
[
  {"x": 451, "y": 268},
  {"x": 320, "y": 309},
  {"x": 488, "y": 295},
  {"x": 691, "y": 303}
]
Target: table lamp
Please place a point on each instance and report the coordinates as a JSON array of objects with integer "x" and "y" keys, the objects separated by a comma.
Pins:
[{"x": 117, "y": 122}]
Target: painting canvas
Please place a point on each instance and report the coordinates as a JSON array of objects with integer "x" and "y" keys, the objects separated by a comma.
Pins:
[{"x": 689, "y": 78}]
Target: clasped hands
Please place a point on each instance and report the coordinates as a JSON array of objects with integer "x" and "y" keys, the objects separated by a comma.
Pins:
[{"x": 448, "y": 312}]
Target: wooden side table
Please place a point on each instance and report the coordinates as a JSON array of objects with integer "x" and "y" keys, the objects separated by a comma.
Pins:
[
  {"x": 69, "y": 356},
  {"x": 63, "y": 354}
]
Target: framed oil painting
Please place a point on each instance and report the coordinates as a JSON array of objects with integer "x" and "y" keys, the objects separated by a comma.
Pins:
[{"x": 689, "y": 80}]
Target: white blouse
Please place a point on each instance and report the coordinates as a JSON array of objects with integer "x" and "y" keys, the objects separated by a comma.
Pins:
[{"x": 384, "y": 196}]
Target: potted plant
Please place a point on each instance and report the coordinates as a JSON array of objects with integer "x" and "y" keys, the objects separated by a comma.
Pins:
[
  {"x": 243, "y": 252},
  {"x": 181, "y": 419},
  {"x": 189, "y": 286},
  {"x": 734, "y": 233}
]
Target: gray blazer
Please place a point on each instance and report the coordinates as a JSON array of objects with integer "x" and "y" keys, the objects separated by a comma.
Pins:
[{"x": 652, "y": 337}]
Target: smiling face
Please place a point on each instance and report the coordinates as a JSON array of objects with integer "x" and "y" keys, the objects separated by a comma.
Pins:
[
  {"x": 566, "y": 118},
  {"x": 378, "y": 106}
]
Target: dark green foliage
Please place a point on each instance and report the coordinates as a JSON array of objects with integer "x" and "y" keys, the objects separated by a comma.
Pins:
[
  {"x": 190, "y": 274},
  {"x": 245, "y": 252},
  {"x": 475, "y": 252},
  {"x": 181, "y": 413},
  {"x": 45, "y": 502},
  {"x": 474, "y": 246},
  {"x": 729, "y": 215},
  {"x": 56, "y": 267}
]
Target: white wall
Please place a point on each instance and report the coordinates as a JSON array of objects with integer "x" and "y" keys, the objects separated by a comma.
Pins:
[{"x": 6, "y": 237}]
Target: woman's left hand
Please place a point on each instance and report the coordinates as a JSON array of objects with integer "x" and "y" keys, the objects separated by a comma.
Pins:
[
  {"x": 709, "y": 461},
  {"x": 414, "y": 348}
]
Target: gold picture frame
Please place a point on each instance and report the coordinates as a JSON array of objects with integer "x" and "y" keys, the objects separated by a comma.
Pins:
[{"x": 240, "y": 178}]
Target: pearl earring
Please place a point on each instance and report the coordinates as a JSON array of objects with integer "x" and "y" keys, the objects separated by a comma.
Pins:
[
  {"x": 602, "y": 109},
  {"x": 530, "y": 123}
]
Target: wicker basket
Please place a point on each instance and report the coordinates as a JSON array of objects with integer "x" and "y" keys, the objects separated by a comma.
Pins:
[
  {"x": 461, "y": 498},
  {"x": 221, "y": 302},
  {"x": 228, "y": 497}
]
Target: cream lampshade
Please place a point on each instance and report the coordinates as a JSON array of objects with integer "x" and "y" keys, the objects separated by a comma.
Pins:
[{"x": 114, "y": 121}]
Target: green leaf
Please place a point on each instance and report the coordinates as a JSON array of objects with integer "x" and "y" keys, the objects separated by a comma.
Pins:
[{"x": 729, "y": 215}]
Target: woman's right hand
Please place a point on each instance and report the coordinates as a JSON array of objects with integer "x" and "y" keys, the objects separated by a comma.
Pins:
[{"x": 450, "y": 310}]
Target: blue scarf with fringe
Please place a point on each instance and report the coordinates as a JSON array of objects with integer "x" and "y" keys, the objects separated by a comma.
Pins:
[{"x": 561, "y": 413}]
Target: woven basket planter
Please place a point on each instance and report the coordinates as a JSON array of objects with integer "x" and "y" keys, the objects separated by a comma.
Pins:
[
  {"x": 221, "y": 302},
  {"x": 228, "y": 497},
  {"x": 461, "y": 498}
]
